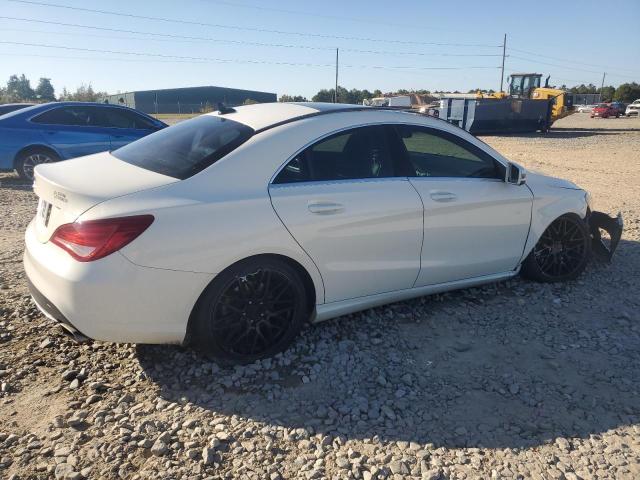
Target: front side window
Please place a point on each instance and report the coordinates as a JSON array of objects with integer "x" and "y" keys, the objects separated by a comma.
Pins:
[
  {"x": 434, "y": 153},
  {"x": 187, "y": 148},
  {"x": 355, "y": 154},
  {"x": 70, "y": 116},
  {"x": 120, "y": 118}
]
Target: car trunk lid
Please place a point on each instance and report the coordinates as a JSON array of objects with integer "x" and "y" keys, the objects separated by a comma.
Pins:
[{"x": 67, "y": 189}]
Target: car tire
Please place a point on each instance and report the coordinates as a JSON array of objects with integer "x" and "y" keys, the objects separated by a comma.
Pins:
[
  {"x": 27, "y": 160},
  {"x": 252, "y": 310},
  {"x": 561, "y": 253}
]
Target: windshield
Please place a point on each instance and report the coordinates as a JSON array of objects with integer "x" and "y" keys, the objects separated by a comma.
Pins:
[{"x": 187, "y": 148}]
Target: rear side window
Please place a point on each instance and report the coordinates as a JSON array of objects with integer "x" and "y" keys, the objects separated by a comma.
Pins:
[
  {"x": 70, "y": 116},
  {"x": 359, "y": 153},
  {"x": 187, "y": 148}
]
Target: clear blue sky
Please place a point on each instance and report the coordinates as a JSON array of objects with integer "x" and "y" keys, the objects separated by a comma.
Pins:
[{"x": 595, "y": 36}]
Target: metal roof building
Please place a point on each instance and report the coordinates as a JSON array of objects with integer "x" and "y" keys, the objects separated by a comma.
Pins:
[{"x": 187, "y": 100}]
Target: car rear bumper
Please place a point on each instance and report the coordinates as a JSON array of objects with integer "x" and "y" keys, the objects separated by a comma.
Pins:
[
  {"x": 110, "y": 299},
  {"x": 51, "y": 311}
]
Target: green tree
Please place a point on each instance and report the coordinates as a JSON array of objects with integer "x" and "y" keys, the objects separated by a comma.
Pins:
[
  {"x": 607, "y": 93},
  {"x": 19, "y": 88},
  {"x": 292, "y": 98},
  {"x": 627, "y": 92},
  {"x": 45, "y": 91},
  {"x": 323, "y": 96},
  {"x": 582, "y": 88},
  {"x": 84, "y": 93}
]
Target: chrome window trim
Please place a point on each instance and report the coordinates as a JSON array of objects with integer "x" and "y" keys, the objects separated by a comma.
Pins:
[{"x": 337, "y": 182}]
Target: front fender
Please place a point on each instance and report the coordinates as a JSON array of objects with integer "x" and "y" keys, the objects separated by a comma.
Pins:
[{"x": 549, "y": 204}]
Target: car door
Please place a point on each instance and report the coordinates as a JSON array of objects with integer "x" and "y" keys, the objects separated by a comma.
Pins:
[
  {"x": 475, "y": 223},
  {"x": 343, "y": 203},
  {"x": 125, "y": 126},
  {"x": 72, "y": 131}
]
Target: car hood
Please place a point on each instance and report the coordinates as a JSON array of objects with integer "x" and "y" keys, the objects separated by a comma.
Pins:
[{"x": 537, "y": 178}]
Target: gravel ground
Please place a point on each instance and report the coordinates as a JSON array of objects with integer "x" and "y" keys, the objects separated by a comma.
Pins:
[{"x": 512, "y": 380}]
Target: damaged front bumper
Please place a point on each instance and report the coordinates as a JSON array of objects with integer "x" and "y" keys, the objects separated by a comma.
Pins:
[{"x": 613, "y": 226}]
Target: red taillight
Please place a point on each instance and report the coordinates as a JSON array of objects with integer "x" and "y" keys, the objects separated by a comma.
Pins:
[{"x": 94, "y": 239}]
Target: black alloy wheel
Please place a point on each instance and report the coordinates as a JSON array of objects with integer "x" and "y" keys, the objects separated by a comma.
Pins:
[
  {"x": 561, "y": 253},
  {"x": 252, "y": 311}
]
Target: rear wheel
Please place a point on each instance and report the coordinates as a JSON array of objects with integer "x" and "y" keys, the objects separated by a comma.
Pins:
[
  {"x": 252, "y": 310},
  {"x": 561, "y": 253},
  {"x": 27, "y": 161}
]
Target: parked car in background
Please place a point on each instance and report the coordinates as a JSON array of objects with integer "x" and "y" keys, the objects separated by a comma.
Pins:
[
  {"x": 633, "y": 108},
  {"x": 619, "y": 106},
  {"x": 12, "y": 107},
  {"x": 605, "y": 110},
  {"x": 231, "y": 230},
  {"x": 584, "y": 108},
  {"x": 59, "y": 131}
]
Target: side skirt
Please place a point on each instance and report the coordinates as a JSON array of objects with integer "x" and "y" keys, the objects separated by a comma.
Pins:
[{"x": 327, "y": 311}]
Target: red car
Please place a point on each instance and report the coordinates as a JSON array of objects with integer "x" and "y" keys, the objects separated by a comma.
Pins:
[{"x": 605, "y": 110}]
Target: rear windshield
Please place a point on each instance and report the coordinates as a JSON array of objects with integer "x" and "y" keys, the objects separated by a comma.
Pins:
[{"x": 187, "y": 148}]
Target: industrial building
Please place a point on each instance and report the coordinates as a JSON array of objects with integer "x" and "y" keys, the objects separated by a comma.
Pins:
[{"x": 187, "y": 100}]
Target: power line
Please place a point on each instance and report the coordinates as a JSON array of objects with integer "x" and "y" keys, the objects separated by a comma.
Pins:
[
  {"x": 565, "y": 79},
  {"x": 565, "y": 67},
  {"x": 318, "y": 15},
  {"x": 229, "y": 60},
  {"x": 243, "y": 28},
  {"x": 228, "y": 41},
  {"x": 570, "y": 61}
]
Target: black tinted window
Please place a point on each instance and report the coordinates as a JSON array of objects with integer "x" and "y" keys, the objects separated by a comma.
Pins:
[
  {"x": 358, "y": 153},
  {"x": 440, "y": 154},
  {"x": 185, "y": 149},
  {"x": 72, "y": 116},
  {"x": 120, "y": 118}
]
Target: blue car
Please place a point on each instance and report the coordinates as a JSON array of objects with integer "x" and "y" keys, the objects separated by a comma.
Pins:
[{"x": 58, "y": 131}]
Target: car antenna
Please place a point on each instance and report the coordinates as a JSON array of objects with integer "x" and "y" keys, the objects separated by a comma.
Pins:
[{"x": 224, "y": 109}]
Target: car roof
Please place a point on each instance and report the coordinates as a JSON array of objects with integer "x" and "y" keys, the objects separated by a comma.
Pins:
[
  {"x": 263, "y": 116},
  {"x": 34, "y": 109}
]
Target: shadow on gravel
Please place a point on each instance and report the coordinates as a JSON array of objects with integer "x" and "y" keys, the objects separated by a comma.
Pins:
[
  {"x": 514, "y": 364},
  {"x": 563, "y": 133},
  {"x": 12, "y": 182}
]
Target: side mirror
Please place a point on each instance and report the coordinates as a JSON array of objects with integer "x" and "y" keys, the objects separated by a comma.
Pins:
[{"x": 515, "y": 175}]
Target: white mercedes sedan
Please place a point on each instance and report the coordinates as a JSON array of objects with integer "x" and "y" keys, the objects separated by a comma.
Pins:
[{"x": 231, "y": 230}]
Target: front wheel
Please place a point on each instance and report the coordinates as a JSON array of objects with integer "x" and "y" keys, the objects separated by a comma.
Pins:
[
  {"x": 252, "y": 310},
  {"x": 28, "y": 160},
  {"x": 562, "y": 252}
]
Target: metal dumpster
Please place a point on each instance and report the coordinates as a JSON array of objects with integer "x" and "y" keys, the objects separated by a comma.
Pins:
[{"x": 491, "y": 115}]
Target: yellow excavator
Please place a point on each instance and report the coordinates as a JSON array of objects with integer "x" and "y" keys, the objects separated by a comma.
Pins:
[
  {"x": 527, "y": 107},
  {"x": 527, "y": 85}
]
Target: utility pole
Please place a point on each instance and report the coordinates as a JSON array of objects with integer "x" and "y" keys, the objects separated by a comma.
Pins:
[
  {"x": 504, "y": 51},
  {"x": 335, "y": 93},
  {"x": 602, "y": 85}
]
